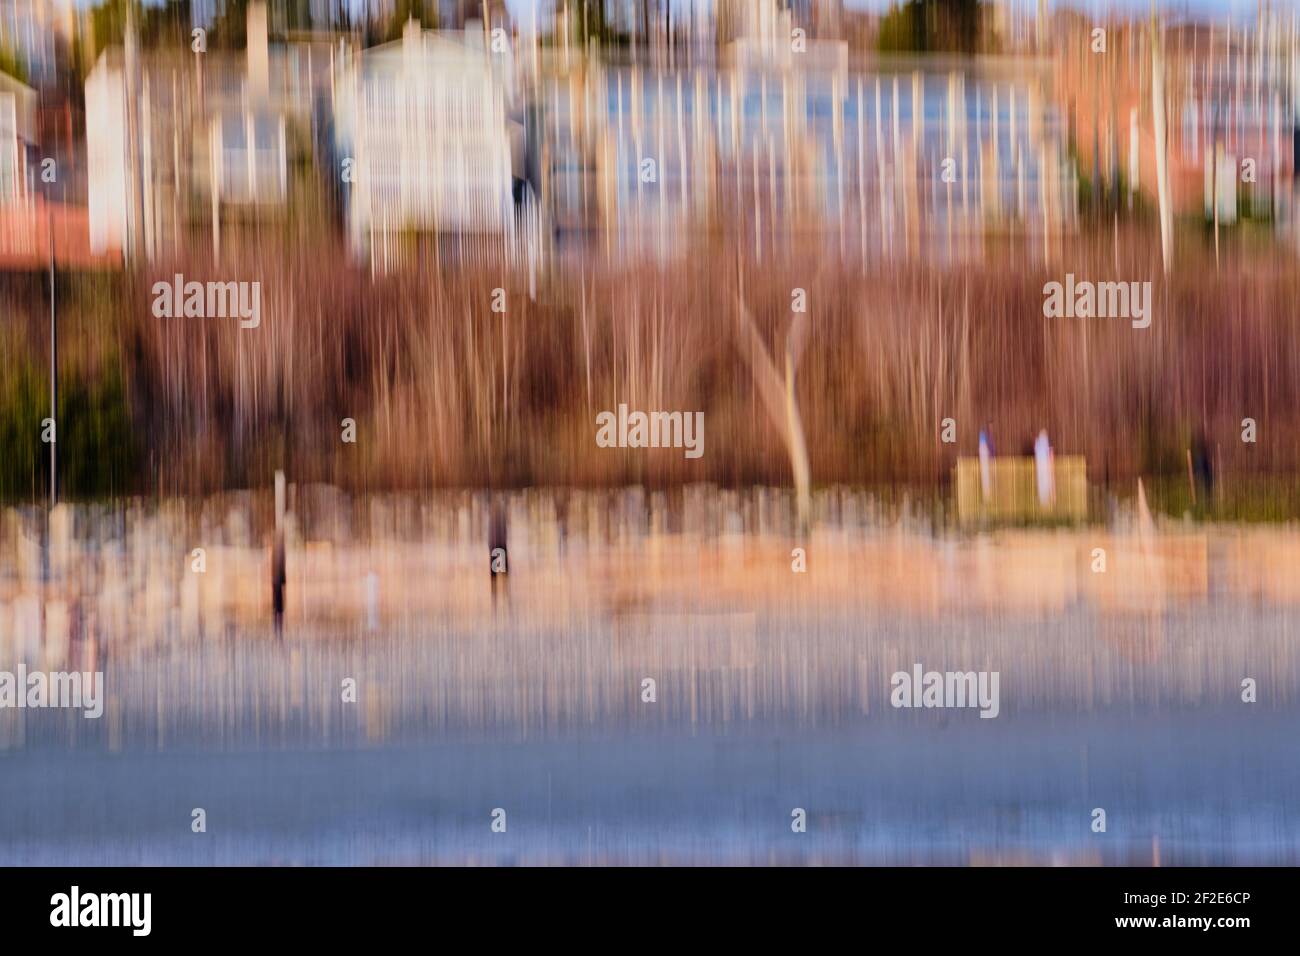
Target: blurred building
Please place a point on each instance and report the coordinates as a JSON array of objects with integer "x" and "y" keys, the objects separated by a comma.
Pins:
[
  {"x": 17, "y": 141},
  {"x": 34, "y": 31},
  {"x": 180, "y": 141},
  {"x": 424, "y": 123},
  {"x": 649, "y": 155},
  {"x": 784, "y": 140},
  {"x": 19, "y": 176},
  {"x": 776, "y": 135},
  {"x": 1231, "y": 97},
  {"x": 36, "y": 218}
]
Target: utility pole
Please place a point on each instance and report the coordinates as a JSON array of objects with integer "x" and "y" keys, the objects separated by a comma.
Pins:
[{"x": 54, "y": 367}]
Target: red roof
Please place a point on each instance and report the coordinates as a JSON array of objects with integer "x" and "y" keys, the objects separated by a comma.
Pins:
[{"x": 25, "y": 236}]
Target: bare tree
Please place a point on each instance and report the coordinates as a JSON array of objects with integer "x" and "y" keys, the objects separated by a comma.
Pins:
[
  {"x": 777, "y": 392},
  {"x": 1162, "y": 158}
]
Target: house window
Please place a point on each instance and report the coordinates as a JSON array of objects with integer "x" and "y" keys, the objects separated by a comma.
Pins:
[{"x": 251, "y": 154}]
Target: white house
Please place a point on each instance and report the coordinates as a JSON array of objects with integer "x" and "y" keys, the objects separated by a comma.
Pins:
[
  {"x": 176, "y": 136},
  {"x": 108, "y": 185},
  {"x": 423, "y": 135},
  {"x": 17, "y": 136}
]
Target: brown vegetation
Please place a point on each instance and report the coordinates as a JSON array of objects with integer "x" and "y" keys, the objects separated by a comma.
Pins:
[{"x": 445, "y": 392}]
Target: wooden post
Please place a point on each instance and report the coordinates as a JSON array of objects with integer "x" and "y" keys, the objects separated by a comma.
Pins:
[
  {"x": 277, "y": 556},
  {"x": 498, "y": 544}
]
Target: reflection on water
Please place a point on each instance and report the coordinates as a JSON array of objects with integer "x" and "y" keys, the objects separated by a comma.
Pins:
[{"x": 1119, "y": 690}]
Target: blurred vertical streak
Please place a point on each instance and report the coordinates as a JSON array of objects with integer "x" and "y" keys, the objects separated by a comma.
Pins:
[
  {"x": 1161, "y": 145},
  {"x": 277, "y": 557},
  {"x": 54, "y": 366}
]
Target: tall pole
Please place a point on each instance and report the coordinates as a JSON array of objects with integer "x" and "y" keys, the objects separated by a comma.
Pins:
[
  {"x": 54, "y": 370},
  {"x": 1162, "y": 160}
]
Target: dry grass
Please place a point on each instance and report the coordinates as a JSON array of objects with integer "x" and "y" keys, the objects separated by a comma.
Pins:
[{"x": 447, "y": 393}]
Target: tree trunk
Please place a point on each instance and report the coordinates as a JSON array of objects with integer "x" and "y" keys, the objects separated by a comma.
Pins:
[
  {"x": 1162, "y": 158},
  {"x": 777, "y": 393}
]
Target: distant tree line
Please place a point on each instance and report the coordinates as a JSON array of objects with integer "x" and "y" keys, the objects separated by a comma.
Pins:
[{"x": 932, "y": 26}]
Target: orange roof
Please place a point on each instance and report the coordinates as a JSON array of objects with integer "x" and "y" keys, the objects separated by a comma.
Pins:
[{"x": 25, "y": 236}]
